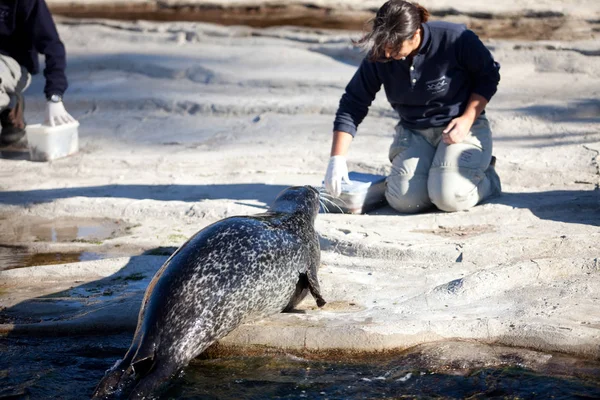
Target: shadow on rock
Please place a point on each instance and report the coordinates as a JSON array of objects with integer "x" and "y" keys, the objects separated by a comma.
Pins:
[
  {"x": 570, "y": 206},
  {"x": 584, "y": 111},
  {"x": 98, "y": 317},
  {"x": 106, "y": 305},
  {"x": 189, "y": 193}
]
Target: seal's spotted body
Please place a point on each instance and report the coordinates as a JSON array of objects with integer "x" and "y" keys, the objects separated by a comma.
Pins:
[{"x": 233, "y": 271}]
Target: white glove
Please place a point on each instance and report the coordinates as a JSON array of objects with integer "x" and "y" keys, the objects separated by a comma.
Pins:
[
  {"x": 56, "y": 114},
  {"x": 337, "y": 171}
]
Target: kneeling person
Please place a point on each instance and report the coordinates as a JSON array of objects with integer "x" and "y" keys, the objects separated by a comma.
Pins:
[{"x": 438, "y": 77}]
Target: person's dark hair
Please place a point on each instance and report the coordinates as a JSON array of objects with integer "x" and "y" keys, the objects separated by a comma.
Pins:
[{"x": 395, "y": 22}]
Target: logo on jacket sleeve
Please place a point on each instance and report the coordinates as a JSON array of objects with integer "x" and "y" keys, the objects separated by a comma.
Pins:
[{"x": 437, "y": 85}]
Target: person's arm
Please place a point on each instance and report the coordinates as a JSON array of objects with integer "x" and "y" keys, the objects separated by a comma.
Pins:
[
  {"x": 40, "y": 25},
  {"x": 357, "y": 98},
  {"x": 354, "y": 106},
  {"x": 485, "y": 76},
  {"x": 337, "y": 169},
  {"x": 459, "y": 128},
  {"x": 479, "y": 62},
  {"x": 340, "y": 143}
]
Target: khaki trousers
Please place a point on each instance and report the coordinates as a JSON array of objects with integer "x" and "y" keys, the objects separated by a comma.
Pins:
[
  {"x": 426, "y": 171},
  {"x": 14, "y": 79}
]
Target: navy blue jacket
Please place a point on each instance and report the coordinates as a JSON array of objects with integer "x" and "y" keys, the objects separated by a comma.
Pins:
[
  {"x": 451, "y": 64},
  {"x": 26, "y": 29}
]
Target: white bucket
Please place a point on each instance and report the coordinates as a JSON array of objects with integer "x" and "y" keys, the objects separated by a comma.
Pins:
[
  {"x": 48, "y": 143},
  {"x": 364, "y": 193}
]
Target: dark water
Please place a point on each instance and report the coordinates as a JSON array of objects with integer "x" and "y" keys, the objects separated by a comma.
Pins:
[
  {"x": 69, "y": 368},
  {"x": 21, "y": 258},
  {"x": 63, "y": 230},
  {"x": 86, "y": 233}
]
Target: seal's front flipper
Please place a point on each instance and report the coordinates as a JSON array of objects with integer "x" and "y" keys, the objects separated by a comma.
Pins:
[
  {"x": 299, "y": 294},
  {"x": 313, "y": 286}
]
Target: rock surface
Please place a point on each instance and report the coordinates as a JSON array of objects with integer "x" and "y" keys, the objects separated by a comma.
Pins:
[{"x": 183, "y": 124}]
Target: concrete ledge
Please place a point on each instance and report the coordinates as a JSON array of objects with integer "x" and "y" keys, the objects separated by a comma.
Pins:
[{"x": 103, "y": 297}]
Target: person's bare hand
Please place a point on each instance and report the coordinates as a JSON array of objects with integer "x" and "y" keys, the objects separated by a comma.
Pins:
[{"x": 457, "y": 130}]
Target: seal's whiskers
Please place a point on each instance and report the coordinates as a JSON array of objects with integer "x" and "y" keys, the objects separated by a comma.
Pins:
[
  {"x": 323, "y": 206},
  {"x": 324, "y": 200}
]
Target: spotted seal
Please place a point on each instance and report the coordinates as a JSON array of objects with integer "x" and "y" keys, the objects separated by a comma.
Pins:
[{"x": 236, "y": 270}]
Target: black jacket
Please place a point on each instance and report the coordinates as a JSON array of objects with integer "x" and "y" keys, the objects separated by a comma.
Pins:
[
  {"x": 451, "y": 64},
  {"x": 26, "y": 29}
]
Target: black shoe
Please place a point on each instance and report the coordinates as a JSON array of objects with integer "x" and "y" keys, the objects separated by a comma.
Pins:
[
  {"x": 13, "y": 122},
  {"x": 494, "y": 178}
]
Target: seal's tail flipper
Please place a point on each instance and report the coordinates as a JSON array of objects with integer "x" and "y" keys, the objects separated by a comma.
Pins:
[
  {"x": 143, "y": 366},
  {"x": 113, "y": 382},
  {"x": 154, "y": 381},
  {"x": 119, "y": 377}
]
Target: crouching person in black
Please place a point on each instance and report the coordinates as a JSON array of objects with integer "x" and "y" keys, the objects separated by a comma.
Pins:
[{"x": 26, "y": 29}]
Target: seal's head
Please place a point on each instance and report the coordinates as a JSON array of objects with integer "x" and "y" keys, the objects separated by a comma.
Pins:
[{"x": 297, "y": 199}]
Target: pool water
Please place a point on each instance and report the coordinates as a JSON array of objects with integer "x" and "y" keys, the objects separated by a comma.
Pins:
[{"x": 69, "y": 368}]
